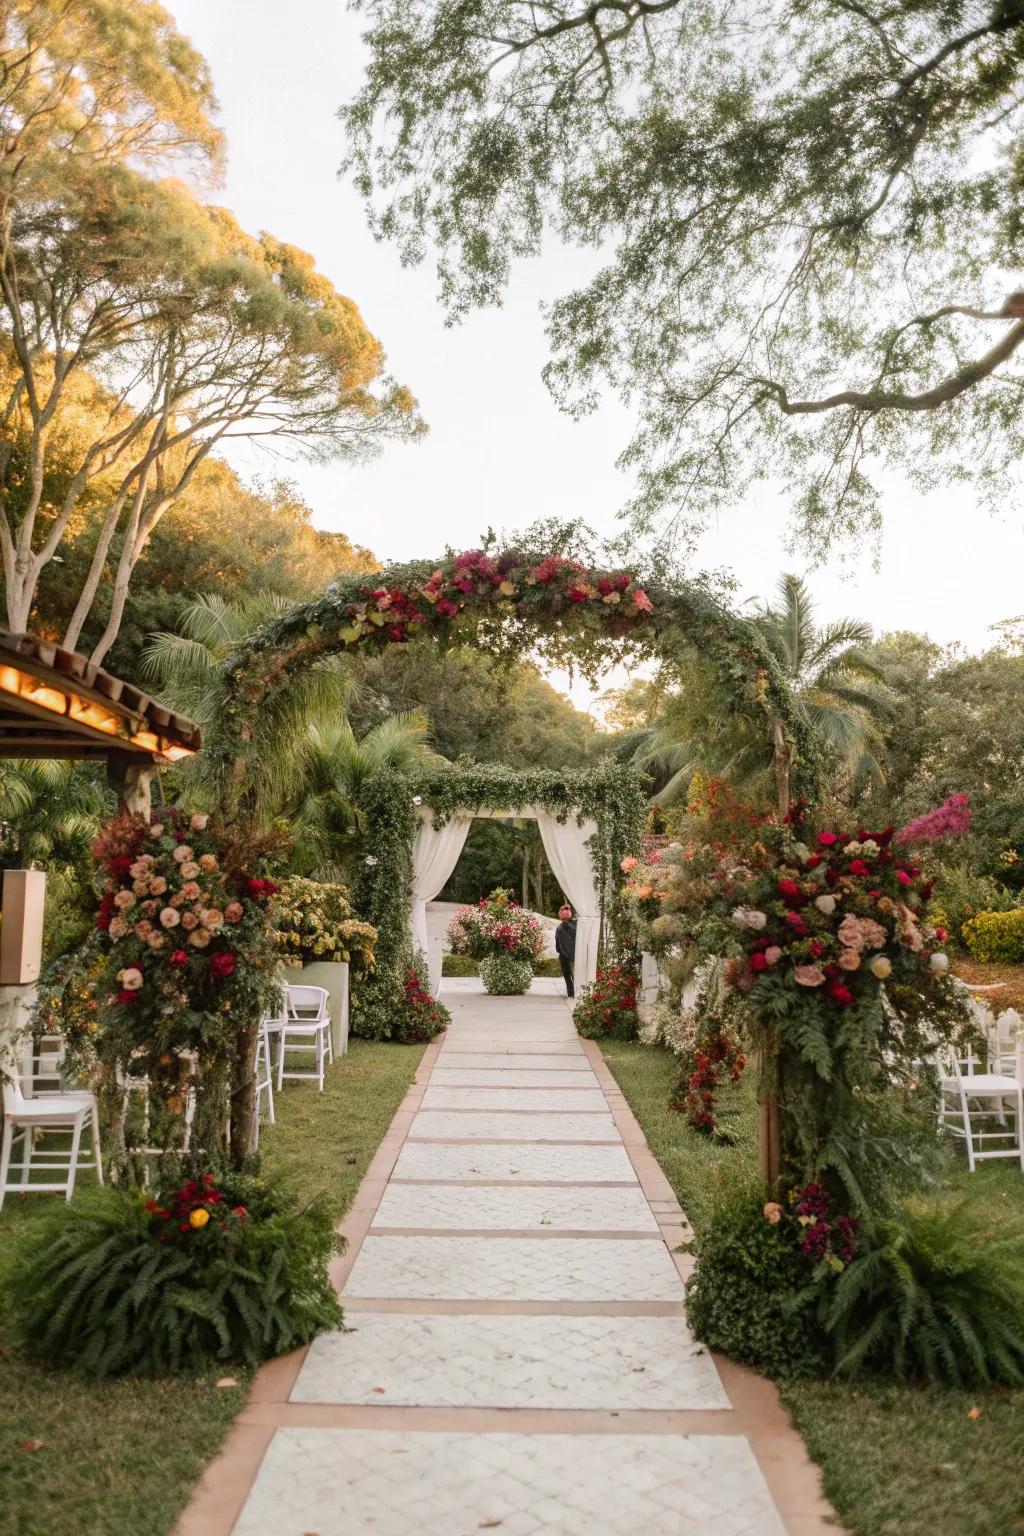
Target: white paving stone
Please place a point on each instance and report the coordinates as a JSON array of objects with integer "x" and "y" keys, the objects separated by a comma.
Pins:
[
  {"x": 497, "y": 1207},
  {"x": 508, "y": 1077},
  {"x": 514, "y": 1269},
  {"x": 360, "y": 1482},
  {"x": 452, "y": 1125},
  {"x": 522, "y": 1061},
  {"x": 557, "y": 1162},
  {"x": 588, "y": 1099},
  {"x": 503, "y": 1046},
  {"x": 511, "y": 1362}
]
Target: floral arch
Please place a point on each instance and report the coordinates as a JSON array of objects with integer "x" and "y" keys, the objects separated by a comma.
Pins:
[{"x": 509, "y": 602}]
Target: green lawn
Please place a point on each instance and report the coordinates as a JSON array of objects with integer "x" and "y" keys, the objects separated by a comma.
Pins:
[
  {"x": 120, "y": 1458},
  {"x": 897, "y": 1461}
]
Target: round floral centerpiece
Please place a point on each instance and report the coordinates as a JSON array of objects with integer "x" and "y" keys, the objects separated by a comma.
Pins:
[{"x": 503, "y": 938}]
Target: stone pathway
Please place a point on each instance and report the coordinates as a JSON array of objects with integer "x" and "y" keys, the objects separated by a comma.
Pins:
[{"x": 516, "y": 1356}]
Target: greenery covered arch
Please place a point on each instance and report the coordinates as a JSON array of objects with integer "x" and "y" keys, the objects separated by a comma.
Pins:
[
  {"x": 511, "y": 601},
  {"x": 611, "y": 793}
]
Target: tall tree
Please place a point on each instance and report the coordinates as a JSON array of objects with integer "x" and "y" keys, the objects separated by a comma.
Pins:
[
  {"x": 809, "y": 218},
  {"x": 204, "y": 334}
]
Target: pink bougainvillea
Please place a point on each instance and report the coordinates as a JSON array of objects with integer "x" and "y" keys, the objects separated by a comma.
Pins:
[{"x": 951, "y": 819}]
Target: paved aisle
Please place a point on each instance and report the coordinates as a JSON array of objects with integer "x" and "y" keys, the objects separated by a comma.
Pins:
[{"x": 518, "y": 1358}]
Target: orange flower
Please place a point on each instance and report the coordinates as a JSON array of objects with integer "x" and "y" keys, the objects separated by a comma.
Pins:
[{"x": 198, "y": 1218}]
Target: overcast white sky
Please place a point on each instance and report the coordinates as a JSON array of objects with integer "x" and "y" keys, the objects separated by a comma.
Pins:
[{"x": 499, "y": 453}]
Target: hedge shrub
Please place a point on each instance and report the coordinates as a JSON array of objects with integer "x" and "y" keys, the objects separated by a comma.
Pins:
[{"x": 997, "y": 936}]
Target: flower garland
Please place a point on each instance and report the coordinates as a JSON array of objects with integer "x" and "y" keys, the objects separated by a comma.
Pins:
[
  {"x": 509, "y": 601},
  {"x": 182, "y": 965}
]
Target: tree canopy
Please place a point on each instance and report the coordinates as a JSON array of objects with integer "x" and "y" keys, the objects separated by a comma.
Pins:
[
  {"x": 808, "y": 220},
  {"x": 141, "y": 328}
]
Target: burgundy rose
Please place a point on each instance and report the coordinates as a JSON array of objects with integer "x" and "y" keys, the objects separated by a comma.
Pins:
[
  {"x": 446, "y": 608},
  {"x": 858, "y": 867},
  {"x": 222, "y": 964},
  {"x": 179, "y": 957},
  {"x": 758, "y": 962}
]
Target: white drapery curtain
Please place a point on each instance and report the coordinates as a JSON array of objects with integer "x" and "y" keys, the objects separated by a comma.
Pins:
[
  {"x": 565, "y": 844},
  {"x": 435, "y": 853}
]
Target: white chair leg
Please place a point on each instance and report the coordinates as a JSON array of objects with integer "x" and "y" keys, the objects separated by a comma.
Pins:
[
  {"x": 96, "y": 1150},
  {"x": 5, "y": 1158},
  {"x": 280, "y": 1059},
  {"x": 76, "y": 1138},
  {"x": 29, "y": 1137},
  {"x": 321, "y": 1057}
]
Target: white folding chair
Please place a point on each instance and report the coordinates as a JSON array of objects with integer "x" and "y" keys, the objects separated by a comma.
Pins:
[
  {"x": 264, "y": 1082},
  {"x": 1005, "y": 1037},
  {"x": 306, "y": 1029},
  {"x": 969, "y": 1102},
  {"x": 70, "y": 1112}
]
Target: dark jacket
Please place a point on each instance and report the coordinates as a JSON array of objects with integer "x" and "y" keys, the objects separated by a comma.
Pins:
[{"x": 565, "y": 939}]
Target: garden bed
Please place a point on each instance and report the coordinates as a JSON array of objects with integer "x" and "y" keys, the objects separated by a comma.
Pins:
[
  {"x": 896, "y": 1461},
  {"x": 119, "y": 1458}
]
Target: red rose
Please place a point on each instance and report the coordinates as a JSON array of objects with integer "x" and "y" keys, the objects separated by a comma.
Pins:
[
  {"x": 839, "y": 994},
  {"x": 903, "y": 877},
  {"x": 790, "y": 891},
  {"x": 817, "y": 948},
  {"x": 446, "y": 608},
  {"x": 103, "y": 921},
  {"x": 179, "y": 957},
  {"x": 604, "y": 586},
  {"x": 941, "y": 935},
  {"x": 464, "y": 584},
  {"x": 827, "y": 840},
  {"x": 812, "y": 861},
  {"x": 758, "y": 962},
  {"x": 858, "y": 867},
  {"x": 120, "y": 864},
  {"x": 124, "y": 996},
  {"x": 578, "y": 594},
  {"x": 622, "y": 581},
  {"x": 222, "y": 964}
]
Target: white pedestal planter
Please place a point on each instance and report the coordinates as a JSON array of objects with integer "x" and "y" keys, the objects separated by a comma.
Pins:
[{"x": 332, "y": 975}]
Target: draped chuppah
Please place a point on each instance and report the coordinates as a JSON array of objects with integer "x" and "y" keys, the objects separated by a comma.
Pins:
[
  {"x": 435, "y": 853},
  {"x": 565, "y": 843}
]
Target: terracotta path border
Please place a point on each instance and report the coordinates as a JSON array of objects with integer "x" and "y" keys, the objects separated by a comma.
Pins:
[{"x": 757, "y": 1413}]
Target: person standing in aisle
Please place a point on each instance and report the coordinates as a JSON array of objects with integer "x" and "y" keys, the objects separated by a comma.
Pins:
[{"x": 565, "y": 946}]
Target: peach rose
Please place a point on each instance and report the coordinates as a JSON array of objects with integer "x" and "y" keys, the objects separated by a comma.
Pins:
[
  {"x": 213, "y": 919},
  {"x": 189, "y": 870},
  {"x": 170, "y": 917},
  {"x": 849, "y": 960},
  {"x": 158, "y": 885},
  {"x": 234, "y": 911},
  {"x": 189, "y": 920},
  {"x": 207, "y": 861},
  {"x": 809, "y": 976},
  {"x": 190, "y": 890},
  {"x": 200, "y": 938},
  {"x": 182, "y": 854},
  {"x": 199, "y": 821},
  {"x": 773, "y": 1212},
  {"x": 124, "y": 901},
  {"x": 118, "y": 928}
]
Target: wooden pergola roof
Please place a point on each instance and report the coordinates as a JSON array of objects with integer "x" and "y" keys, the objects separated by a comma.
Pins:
[{"x": 57, "y": 703}]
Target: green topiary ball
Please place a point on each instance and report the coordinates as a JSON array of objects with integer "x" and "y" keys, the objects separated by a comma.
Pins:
[{"x": 505, "y": 977}]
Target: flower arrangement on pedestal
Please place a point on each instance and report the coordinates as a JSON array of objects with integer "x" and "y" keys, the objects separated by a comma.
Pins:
[
  {"x": 313, "y": 920},
  {"x": 505, "y": 939}
]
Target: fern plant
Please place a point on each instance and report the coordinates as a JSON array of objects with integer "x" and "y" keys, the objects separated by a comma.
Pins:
[
  {"x": 936, "y": 1295},
  {"x": 103, "y": 1288}
]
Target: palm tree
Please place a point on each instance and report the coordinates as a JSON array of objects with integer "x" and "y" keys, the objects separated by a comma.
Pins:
[
  {"x": 334, "y": 767},
  {"x": 838, "y": 689},
  {"x": 50, "y": 810},
  {"x": 187, "y": 669}
]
